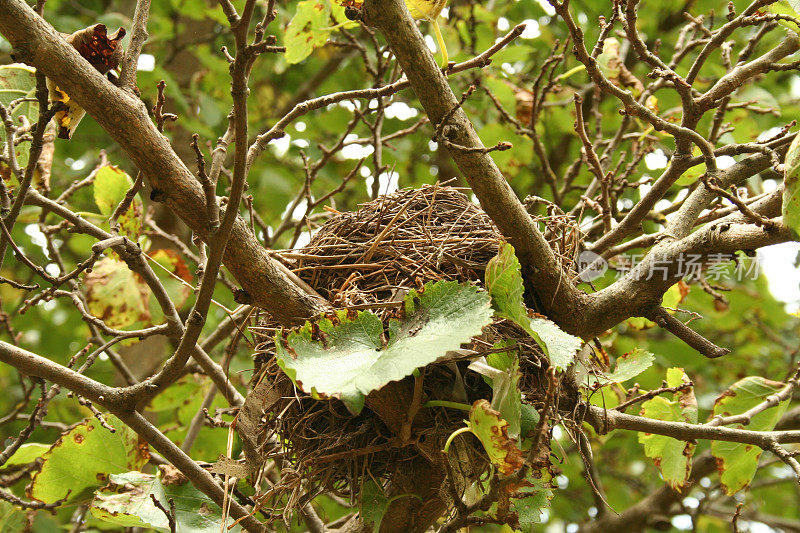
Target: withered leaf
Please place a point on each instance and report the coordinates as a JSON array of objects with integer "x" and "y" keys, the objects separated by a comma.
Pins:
[{"x": 102, "y": 50}]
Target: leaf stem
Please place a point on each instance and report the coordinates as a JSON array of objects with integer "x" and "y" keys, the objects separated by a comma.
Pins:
[
  {"x": 453, "y": 435},
  {"x": 445, "y": 403}
]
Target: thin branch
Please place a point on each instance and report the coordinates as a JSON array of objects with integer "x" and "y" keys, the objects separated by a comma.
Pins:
[{"x": 138, "y": 36}]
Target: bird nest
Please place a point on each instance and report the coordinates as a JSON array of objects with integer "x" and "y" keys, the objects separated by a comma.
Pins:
[{"x": 370, "y": 259}]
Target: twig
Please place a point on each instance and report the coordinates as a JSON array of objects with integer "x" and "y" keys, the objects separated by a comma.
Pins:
[
  {"x": 169, "y": 513},
  {"x": 652, "y": 394},
  {"x": 660, "y": 316},
  {"x": 138, "y": 36},
  {"x": 209, "y": 188}
]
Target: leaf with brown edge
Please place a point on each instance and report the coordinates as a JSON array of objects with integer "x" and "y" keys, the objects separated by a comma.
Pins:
[
  {"x": 84, "y": 457},
  {"x": 671, "y": 456},
  {"x": 737, "y": 463},
  {"x": 175, "y": 276},
  {"x": 490, "y": 428}
]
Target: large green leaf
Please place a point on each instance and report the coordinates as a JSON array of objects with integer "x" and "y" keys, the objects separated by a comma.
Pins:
[
  {"x": 344, "y": 356},
  {"x": 672, "y": 457},
  {"x": 738, "y": 462},
  {"x": 504, "y": 283},
  {"x": 126, "y": 502},
  {"x": 83, "y": 458},
  {"x": 791, "y": 191},
  {"x": 18, "y": 81}
]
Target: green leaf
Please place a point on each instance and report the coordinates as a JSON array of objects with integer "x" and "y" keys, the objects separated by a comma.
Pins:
[
  {"x": 791, "y": 191},
  {"x": 27, "y": 453},
  {"x": 110, "y": 186},
  {"x": 629, "y": 366},
  {"x": 672, "y": 457},
  {"x": 502, "y": 360},
  {"x": 490, "y": 428},
  {"x": 559, "y": 346},
  {"x": 692, "y": 173},
  {"x": 308, "y": 29},
  {"x": 115, "y": 294},
  {"x": 12, "y": 518},
  {"x": 126, "y": 502},
  {"x": 18, "y": 81},
  {"x": 529, "y": 419},
  {"x": 504, "y": 283},
  {"x": 343, "y": 355},
  {"x": 82, "y": 459},
  {"x": 507, "y": 398},
  {"x": 531, "y": 499},
  {"x": 786, "y": 7},
  {"x": 373, "y": 504},
  {"x": 738, "y": 462}
]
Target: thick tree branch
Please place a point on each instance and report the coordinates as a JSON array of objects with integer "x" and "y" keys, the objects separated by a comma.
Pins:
[{"x": 560, "y": 298}]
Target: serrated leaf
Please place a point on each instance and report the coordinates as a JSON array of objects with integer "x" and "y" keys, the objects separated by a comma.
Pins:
[
  {"x": 115, "y": 294},
  {"x": 531, "y": 499},
  {"x": 126, "y": 502},
  {"x": 504, "y": 283},
  {"x": 559, "y": 345},
  {"x": 738, "y": 462},
  {"x": 490, "y": 428},
  {"x": 308, "y": 29},
  {"x": 628, "y": 366},
  {"x": 343, "y": 356},
  {"x": 672, "y": 457},
  {"x": 791, "y": 191},
  {"x": 17, "y": 81},
  {"x": 83, "y": 458}
]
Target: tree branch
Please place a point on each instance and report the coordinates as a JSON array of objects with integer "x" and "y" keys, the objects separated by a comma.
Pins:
[{"x": 554, "y": 288}]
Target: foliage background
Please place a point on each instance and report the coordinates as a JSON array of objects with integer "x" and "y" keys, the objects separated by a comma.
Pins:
[{"x": 185, "y": 38}]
